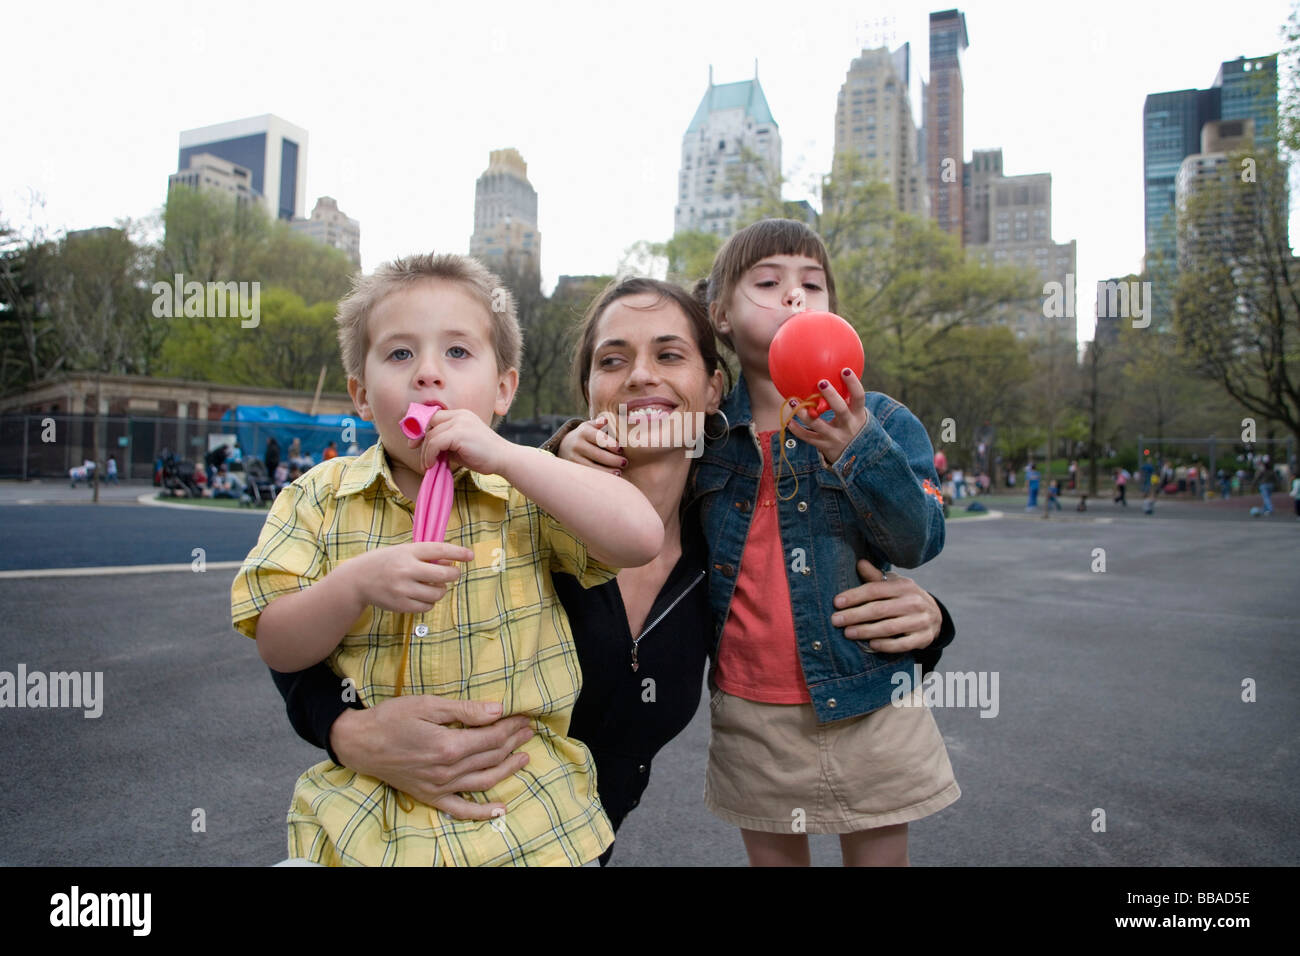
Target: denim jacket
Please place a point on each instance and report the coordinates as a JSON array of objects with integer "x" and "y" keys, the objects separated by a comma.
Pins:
[{"x": 871, "y": 503}]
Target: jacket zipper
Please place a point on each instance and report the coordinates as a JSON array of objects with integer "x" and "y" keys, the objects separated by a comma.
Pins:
[{"x": 677, "y": 600}]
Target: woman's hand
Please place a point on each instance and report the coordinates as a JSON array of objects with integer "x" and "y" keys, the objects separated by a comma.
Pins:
[
  {"x": 405, "y": 742},
  {"x": 832, "y": 437},
  {"x": 893, "y": 614},
  {"x": 591, "y": 444}
]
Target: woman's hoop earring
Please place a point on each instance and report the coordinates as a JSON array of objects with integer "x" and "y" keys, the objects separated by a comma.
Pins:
[{"x": 726, "y": 427}]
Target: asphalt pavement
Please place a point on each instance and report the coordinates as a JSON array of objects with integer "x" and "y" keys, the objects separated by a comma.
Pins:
[{"x": 1121, "y": 735}]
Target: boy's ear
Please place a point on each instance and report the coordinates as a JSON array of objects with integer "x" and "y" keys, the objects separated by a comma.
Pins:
[
  {"x": 359, "y": 399},
  {"x": 507, "y": 385}
]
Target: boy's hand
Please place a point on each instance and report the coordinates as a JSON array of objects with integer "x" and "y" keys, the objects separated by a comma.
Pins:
[
  {"x": 404, "y": 578},
  {"x": 467, "y": 439},
  {"x": 831, "y": 438},
  {"x": 591, "y": 444}
]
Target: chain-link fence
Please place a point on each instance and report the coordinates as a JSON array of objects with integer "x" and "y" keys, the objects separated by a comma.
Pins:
[{"x": 50, "y": 445}]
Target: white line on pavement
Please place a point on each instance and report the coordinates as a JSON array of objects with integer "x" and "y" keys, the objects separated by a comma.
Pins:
[{"x": 120, "y": 569}]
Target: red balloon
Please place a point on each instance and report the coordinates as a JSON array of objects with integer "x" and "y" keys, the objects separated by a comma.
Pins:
[{"x": 812, "y": 346}]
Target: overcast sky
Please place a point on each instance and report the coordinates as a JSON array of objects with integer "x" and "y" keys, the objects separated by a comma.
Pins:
[{"x": 402, "y": 103}]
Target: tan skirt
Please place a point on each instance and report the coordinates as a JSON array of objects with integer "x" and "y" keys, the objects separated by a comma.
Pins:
[{"x": 773, "y": 768}]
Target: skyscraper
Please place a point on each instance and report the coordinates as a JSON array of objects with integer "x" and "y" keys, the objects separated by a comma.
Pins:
[
  {"x": 1171, "y": 128},
  {"x": 1172, "y": 123},
  {"x": 1009, "y": 222},
  {"x": 731, "y": 145},
  {"x": 873, "y": 121},
  {"x": 272, "y": 150},
  {"x": 505, "y": 215},
  {"x": 944, "y": 148},
  {"x": 332, "y": 227}
]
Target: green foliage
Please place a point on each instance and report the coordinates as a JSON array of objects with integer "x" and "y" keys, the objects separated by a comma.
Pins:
[{"x": 287, "y": 349}]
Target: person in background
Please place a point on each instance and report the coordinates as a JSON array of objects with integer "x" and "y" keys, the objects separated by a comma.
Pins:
[
  {"x": 1295, "y": 493},
  {"x": 958, "y": 483},
  {"x": 1031, "y": 480},
  {"x": 331, "y": 451},
  {"x": 110, "y": 474},
  {"x": 223, "y": 486},
  {"x": 1074, "y": 474},
  {"x": 236, "y": 453},
  {"x": 1265, "y": 481},
  {"x": 1121, "y": 487},
  {"x": 272, "y": 456},
  {"x": 1054, "y": 494}
]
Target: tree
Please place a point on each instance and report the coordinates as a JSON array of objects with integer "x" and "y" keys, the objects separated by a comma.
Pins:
[
  {"x": 29, "y": 344},
  {"x": 1237, "y": 301},
  {"x": 99, "y": 304}
]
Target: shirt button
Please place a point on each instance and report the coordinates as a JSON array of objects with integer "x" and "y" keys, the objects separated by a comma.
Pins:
[
  {"x": 641, "y": 769},
  {"x": 831, "y": 703},
  {"x": 421, "y": 630},
  {"x": 789, "y": 443},
  {"x": 806, "y": 570},
  {"x": 817, "y": 645},
  {"x": 802, "y": 506},
  {"x": 726, "y": 569}
]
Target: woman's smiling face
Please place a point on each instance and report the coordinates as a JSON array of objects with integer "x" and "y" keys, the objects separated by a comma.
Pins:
[{"x": 646, "y": 362}]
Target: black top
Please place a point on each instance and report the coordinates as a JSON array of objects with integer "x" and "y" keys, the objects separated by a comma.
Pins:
[{"x": 624, "y": 715}]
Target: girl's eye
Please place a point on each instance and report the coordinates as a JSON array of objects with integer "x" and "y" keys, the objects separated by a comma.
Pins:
[
  {"x": 457, "y": 348},
  {"x": 393, "y": 353},
  {"x": 813, "y": 286},
  {"x": 669, "y": 356},
  {"x": 609, "y": 361}
]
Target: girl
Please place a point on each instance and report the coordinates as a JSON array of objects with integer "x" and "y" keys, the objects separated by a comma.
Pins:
[{"x": 803, "y": 741}]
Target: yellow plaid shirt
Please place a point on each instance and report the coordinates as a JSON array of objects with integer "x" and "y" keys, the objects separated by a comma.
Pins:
[{"x": 498, "y": 634}]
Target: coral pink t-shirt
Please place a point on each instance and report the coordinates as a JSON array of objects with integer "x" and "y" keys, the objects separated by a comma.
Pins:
[{"x": 757, "y": 656}]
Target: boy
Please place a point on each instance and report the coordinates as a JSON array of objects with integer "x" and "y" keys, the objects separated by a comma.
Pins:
[{"x": 335, "y": 571}]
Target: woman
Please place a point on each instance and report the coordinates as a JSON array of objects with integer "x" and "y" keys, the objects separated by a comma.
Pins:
[{"x": 642, "y": 639}]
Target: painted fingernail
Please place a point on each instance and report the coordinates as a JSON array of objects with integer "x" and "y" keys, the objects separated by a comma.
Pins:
[
  {"x": 823, "y": 384},
  {"x": 623, "y": 462},
  {"x": 794, "y": 402},
  {"x": 847, "y": 372}
]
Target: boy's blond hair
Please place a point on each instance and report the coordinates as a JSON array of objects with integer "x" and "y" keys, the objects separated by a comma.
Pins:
[{"x": 369, "y": 290}]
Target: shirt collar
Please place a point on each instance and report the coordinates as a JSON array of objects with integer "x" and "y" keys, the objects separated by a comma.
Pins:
[{"x": 372, "y": 466}]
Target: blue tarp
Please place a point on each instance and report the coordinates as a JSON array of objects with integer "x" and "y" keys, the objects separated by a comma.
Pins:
[{"x": 254, "y": 424}]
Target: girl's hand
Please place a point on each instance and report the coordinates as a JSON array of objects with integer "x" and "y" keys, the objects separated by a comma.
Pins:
[
  {"x": 893, "y": 614},
  {"x": 468, "y": 440},
  {"x": 592, "y": 445},
  {"x": 831, "y": 438}
]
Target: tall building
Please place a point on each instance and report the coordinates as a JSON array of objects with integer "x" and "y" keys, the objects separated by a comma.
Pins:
[
  {"x": 1172, "y": 123},
  {"x": 944, "y": 147},
  {"x": 1219, "y": 223},
  {"x": 273, "y": 151},
  {"x": 505, "y": 215},
  {"x": 330, "y": 226},
  {"x": 208, "y": 173},
  {"x": 1009, "y": 222},
  {"x": 732, "y": 141},
  {"x": 873, "y": 121}
]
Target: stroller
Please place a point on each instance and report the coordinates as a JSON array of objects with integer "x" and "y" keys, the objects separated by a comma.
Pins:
[
  {"x": 259, "y": 489},
  {"x": 179, "y": 476}
]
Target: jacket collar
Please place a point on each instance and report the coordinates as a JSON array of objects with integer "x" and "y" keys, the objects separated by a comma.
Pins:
[
  {"x": 736, "y": 405},
  {"x": 371, "y": 467}
]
